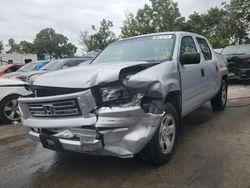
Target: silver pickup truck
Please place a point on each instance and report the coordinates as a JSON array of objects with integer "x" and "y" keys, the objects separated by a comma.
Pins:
[{"x": 131, "y": 98}]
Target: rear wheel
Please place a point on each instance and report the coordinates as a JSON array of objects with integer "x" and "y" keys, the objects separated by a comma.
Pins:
[
  {"x": 161, "y": 148},
  {"x": 9, "y": 109},
  {"x": 219, "y": 102}
]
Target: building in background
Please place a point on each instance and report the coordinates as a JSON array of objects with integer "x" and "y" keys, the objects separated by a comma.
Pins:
[{"x": 16, "y": 58}]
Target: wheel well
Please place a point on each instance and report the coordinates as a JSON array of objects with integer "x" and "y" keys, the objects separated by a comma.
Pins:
[
  {"x": 10, "y": 96},
  {"x": 174, "y": 98},
  {"x": 224, "y": 77}
]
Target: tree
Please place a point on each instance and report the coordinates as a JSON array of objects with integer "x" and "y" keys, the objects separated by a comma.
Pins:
[
  {"x": 50, "y": 44},
  {"x": 1, "y": 46},
  {"x": 238, "y": 20},
  {"x": 27, "y": 47},
  {"x": 211, "y": 24},
  {"x": 159, "y": 16},
  {"x": 101, "y": 38},
  {"x": 14, "y": 47}
]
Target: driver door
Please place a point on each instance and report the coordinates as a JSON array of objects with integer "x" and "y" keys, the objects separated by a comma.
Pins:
[{"x": 192, "y": 78}]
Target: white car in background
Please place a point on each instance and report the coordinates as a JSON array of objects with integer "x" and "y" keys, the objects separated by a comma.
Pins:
[{"x": 10, "y": 91}]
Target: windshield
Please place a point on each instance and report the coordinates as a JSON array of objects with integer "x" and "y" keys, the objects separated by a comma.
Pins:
[
  {"x": 240, "y": 49},
  {"x": 150, "y": 48},
  {"x": 28, "y": 67},
  {"x": 53, "y": 65}
]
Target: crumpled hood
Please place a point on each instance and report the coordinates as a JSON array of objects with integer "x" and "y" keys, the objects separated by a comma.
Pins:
[
  {"x": 11, "y": 82},
  {"x": 86, "y": 76},
  {"x": 31, "y": 73}
]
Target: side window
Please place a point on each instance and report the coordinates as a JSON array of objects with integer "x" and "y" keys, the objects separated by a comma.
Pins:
[
  {"x": 204, "y": 48},
  {"x": 9, "y": 70},
  {"x": 187, "y": 45}
]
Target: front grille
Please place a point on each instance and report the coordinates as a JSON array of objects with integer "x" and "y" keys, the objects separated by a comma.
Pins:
[
  {"x": 53, "y": 91},
  {"x": 248, "y": 73},
  {"x": 60, "y": 108}
]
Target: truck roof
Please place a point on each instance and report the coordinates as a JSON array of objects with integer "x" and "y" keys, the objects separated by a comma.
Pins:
[{"x": 164, "y": 33}]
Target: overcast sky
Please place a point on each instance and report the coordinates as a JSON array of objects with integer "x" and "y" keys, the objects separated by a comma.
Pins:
[{"x": 22, "y": 19}]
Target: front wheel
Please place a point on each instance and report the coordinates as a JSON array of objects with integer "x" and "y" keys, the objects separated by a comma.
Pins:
[
  {"x": 9, "y": 109},
  {"x": 161, "y": 148},
  {"x": 219, "y": 102}
]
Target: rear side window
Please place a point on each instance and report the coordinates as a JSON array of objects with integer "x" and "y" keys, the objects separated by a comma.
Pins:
[
  {"x": 11, "y": 69},
  {"x": 204, "y": 48},
  {"x": 187, "y": 45}
]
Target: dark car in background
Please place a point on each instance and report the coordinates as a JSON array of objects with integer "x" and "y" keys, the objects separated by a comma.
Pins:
[
  {"x": 33, "y": 66},
  {"x": 8, "y": 68},
  {"x": 238, "y": 58},
  {"x": 52, "y": 66}
]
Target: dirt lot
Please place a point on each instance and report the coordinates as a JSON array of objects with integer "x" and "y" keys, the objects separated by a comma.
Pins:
[{"x": 213, "y": 151}]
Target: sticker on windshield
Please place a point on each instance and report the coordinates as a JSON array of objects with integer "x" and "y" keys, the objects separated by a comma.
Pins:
[{"x": 162, "y": 37}]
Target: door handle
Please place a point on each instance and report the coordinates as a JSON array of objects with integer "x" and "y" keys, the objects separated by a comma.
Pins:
[{"x": 202, "y": 72}]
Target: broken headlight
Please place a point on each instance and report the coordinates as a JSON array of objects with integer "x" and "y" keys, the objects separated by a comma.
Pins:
[{"x": 118, "y": 95}]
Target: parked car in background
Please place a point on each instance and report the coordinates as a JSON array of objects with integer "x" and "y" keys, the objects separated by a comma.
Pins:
[
  {"x": 10, "y": 90},
  {"x": 27, "y": 68},
  {"x": 41, "y": 64},
  {"x": 218, "y": 50},
  {"x": 51, "y": 66},
  {"x": 8, "y": 68},
  {"x": 92, "y": 54},
  {"x": 238, "y": 58},
  {"x": 131, "y": 98}
]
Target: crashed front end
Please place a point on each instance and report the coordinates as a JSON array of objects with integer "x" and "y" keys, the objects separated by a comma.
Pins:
[
  {"x": 239, "y": 67},
  {"x": 104, "y": 120}
]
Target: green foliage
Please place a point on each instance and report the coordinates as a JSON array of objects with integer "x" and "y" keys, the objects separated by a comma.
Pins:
[
  {"x": 238, "y": 20},
  {"x": 14, "y": 47},
  {"x": 50, "y": 44},
  {"x": 27, "y": 47},
  {"x": 159, "y": 16},
  {"x": 101, "y": 37},
  {"x": 211, "y": 24},
  {"x": 1, "y": 46}
]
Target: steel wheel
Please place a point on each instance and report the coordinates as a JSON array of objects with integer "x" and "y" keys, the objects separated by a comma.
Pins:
[
  {"x": 162, "y": 146},
  {"x": 167, "y": 133},
  {"x": 220, "y": 100},
  {"x": 11, "y": 110}
]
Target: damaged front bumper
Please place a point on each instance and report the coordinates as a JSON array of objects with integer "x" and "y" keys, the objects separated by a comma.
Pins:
[
  {"x": 117, "y": 131},
  {"x": 239, "y": 74}
]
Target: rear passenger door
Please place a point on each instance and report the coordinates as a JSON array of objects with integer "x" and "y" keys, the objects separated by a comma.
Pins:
[
  {"x": 210, "y": 66},
  {"x": 192, "y": 78}
]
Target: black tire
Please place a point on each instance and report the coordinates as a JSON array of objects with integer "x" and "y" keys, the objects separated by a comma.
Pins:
[
  {"x": 3, "y": 114},
  {"x": 219, "y": 102},
  {"x": 153, "y": 152}
]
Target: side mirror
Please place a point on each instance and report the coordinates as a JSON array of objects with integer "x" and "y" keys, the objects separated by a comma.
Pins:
[{"x": 189, "y": 58}]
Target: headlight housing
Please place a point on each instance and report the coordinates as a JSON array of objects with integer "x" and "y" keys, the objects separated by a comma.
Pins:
[
  {"x": 32, "y": 78},
  {"x": 115, "y": 95}
]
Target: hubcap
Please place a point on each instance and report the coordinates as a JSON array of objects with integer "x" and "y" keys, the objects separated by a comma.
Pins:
[
  {"x": 224, "y": 93},
  {"x": 11, "y": 110},
  {"x": 167, "y": 133}
]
